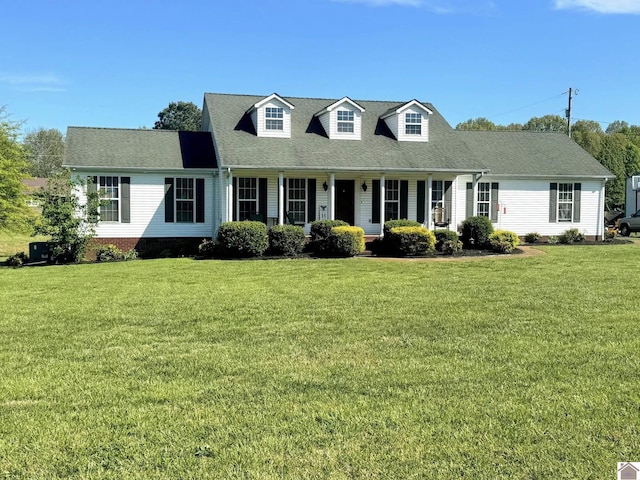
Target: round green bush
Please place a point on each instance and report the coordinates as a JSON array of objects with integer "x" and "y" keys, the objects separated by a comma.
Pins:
[
  {"x": 503, "y": 241},
  {"x": 208, "y": 249},
  {"x": 451, "y": 247},
  {"x": 108, "y": 253},
  {"x": 475, "y": 231},
  {"x": 389, "y": 224},
  {"x": 242, "y": 239},
  {"x": 288, "y": 240},
  {"x": 411, "y": 241},
  {"x": 532, "y": 237},
  {"x": 443, "y": 236},
  {"x": 344, "y": 241},
  {"x": 320, "y": 231},
  {"x": 572, "y": 235}
]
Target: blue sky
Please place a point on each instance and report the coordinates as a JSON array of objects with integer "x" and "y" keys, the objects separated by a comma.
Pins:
[{"x": 118, "y": 63}]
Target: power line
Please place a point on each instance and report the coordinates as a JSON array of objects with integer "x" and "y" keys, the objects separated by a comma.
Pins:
[{"x": 530, "y": 105}]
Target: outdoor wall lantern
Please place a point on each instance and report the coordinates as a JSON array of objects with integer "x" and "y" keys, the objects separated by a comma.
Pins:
[
  {"x": 325, "y": 186},
  {"x": 364, "y": 186}
]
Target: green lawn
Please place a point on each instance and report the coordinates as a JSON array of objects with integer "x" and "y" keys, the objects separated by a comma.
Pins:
[
  {"x": 521, "y": 368},
  {"x": 12, "y": 243}
]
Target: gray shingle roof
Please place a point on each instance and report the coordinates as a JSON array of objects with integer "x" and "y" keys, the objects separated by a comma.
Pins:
[
  {"x": 148, "y": 149},
  {"x": 310, "y": 148},
  {"x": 532, "y": 154}
]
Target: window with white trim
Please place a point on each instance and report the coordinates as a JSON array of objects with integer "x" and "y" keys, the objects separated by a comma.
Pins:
[
  {"x": 565, "y": 202},
  {"x": 297, "y": 199},
  {"x": 345, "y": 121},
  {"x": 391, "y": 200},
  {"x": 437, "y": 193},
  {"x": 484, "y": 199},
  {"x": 185, "y": 200},
  {"x": 247, "y": 197},
  {"x": 274, "y": 118},
  {"x": 413, "y": 124},
  {"x": 109, "y": 192}
]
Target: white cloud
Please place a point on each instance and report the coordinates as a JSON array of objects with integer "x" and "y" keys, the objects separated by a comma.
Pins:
[
  {"x": 601, "y": 6},
  {"x": 33, "y": 83}
]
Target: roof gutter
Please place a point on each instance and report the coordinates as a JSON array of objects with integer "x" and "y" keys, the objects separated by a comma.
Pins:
[
  {"x": 107, "y": 168},
  {"x": 364, "y": 169}
]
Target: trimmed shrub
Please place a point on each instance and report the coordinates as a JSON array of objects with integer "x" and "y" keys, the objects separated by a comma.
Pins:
[
  {"x": 552, "y": 240},
  {"x": 208, "y": 248},
  {"x": 451, "y": 247},
  {"x": 130, "y": 255},
  {"x": 475, "y": 231},
  {"x": 571, "y": 235},
  {"x": 109, "y": 253},
  {"x": 320, "y": 231},
  {"x": 443, "y": 236},
  {"x": 17, "y": 260},
  {"x": 503, "y": 241},
  {"x": 411, "y": 241},
  {"x": 288, "y": 240},
  {"x": 532, "y": 237},
  {"x": 344, "y": 241},
  {"x": 389, "y": 224},
  {"x": 243, "y": 239}
]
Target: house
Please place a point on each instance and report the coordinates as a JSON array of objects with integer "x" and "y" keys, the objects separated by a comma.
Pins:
[{"x": 282, "y": 159}]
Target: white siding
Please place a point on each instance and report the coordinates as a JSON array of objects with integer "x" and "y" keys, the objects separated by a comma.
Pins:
[
  {"x": 524, "y": 206},
  {"x": 258, "y": 117},
  {"x": 147, "y": 208},
  {"x": 392, "y": 123}
]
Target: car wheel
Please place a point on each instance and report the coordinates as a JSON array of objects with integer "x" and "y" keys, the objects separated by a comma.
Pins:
[{"x": 625, "y": 231}]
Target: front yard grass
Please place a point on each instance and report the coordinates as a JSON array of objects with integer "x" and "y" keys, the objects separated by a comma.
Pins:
[{"x": 361, "y": 368}]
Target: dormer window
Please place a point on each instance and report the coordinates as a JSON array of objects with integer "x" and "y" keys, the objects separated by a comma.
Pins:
[
  {"x": 413, "y": 124},
  {"x": 274, "y": 118},
  {"x": 345, "y": 121},
  {"x": 271, "y": 117}
]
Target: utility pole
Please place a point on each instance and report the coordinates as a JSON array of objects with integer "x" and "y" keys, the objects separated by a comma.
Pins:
[{"x": 568, "y": 113}]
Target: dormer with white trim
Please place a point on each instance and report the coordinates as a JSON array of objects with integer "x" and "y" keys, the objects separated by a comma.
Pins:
[
  {"x": 342, "y": 120},
  {"x": 271, "y": 117},
  {"x": 409, "y": 122}
]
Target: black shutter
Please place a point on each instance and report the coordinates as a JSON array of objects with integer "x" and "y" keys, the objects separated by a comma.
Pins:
[
  {"x": 234, "y": 206},
  {"x": 92, "y": 201},
  {"x": 553, "y": 198},
  {"x": 577, "y": 194},
  {"x": 199, "y": 200},
  {"x": 448, "y": 201},
  {"x": 469, "y": 200},
  {"x": 494, "y": 202},
  {"x": 375, "y": 202},
  {"x": 404, "y": 198},
  {"x": 421, "y": 200},
  {"x": 311, "y": 200},
  {"x": 125, "y": 199},
  {"x": 168, "y": 200},
  {"x": 262, "y": 199}
]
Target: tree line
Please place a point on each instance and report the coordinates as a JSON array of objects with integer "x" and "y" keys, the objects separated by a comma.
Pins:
[{"x": 617, "y": 148}]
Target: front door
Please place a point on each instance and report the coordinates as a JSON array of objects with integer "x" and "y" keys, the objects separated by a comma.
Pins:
[{"x": 345, "y": 200}]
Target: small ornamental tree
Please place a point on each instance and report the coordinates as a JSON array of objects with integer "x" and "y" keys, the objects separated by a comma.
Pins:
[
  {"x": 475, "y": 231},
  {"x": 69, "y": 223}
]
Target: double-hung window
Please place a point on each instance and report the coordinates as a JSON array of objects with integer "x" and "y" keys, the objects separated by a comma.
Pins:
[
  {"x": 345, "y": 121},
  {"x": 274, "y": 118},
  {"x": 247, "y": 197},
  {"x": 391, "y": 200},
  {"x": 437, "y": 194},
  {"x": 484, "y": 199},
  {"x": 297, "y": 199},
  {"x": 109, "y": 199},
  {"x": 185, "y": 200},
  {"x": 565, "y": 202},
  {"x": 413, "y": 124}
]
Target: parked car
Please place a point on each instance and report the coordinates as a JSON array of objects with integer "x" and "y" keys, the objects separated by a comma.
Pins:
[{"x": 629, "y": 224}]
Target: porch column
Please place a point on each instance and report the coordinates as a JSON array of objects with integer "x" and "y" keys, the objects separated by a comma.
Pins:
[
  {"x": 382, "y": 202},
  {"x": 280, "y": 198},
  {"x": 427, "y": 208},
  {"x": 332, "y": 196},
  {"x": 229, "y": 196},
  {"x": 476, "y": 177}
]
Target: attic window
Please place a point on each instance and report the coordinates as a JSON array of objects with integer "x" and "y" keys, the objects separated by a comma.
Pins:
[
  {"x": 345, "y": 121},
  {"x": 413, "y": 124},
  {"x": 274, "y": 116}
]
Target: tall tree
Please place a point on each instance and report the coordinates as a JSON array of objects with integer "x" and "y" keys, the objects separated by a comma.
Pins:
[
  {"x": 44, "y": 149},
  {"x": 480, "y": 123},
  {"x": 589, "y": 135},
  {"x": 179, "y": 116},
  {"x": 617, "y": 126},
  {"x": 14, "y": 212},
  {"x": 547, "y": 123}
]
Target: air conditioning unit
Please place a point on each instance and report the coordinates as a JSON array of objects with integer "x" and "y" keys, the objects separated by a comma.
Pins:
[{"x": 635, "y": 182}]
